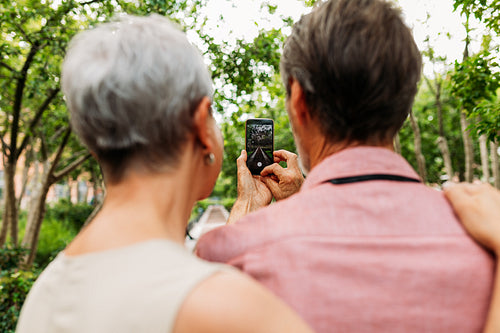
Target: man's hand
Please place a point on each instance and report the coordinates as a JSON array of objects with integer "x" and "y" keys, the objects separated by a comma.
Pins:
[
  {"x": 283, "y": 182},
  {"x": 478, "y": 207},
  {"x": 252, "y": 192},
  {"x": 250, "y": 187}
]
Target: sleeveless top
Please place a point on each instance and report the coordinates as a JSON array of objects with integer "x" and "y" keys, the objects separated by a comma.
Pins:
[{"x": 137, "y": 288}]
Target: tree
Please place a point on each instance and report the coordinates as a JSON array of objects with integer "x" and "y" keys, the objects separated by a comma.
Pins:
[
  {"x": 28, "y": 38},
  {"x": 476, "y": 95},
  {"x": 435, "y": 85},
  {"x": 35, "y": 35},
  {"x": 425, "y": 111},
  {"x": 418, "y": 148},
  {"x": 474, "y": 86},
  {"x": 233, "y": 129},
  {"x": 487, "y": 11},
  {"x": 248, "y": 86}
]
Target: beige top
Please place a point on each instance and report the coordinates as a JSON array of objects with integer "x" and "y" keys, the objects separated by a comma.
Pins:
[{"x": 138, "y": 288}]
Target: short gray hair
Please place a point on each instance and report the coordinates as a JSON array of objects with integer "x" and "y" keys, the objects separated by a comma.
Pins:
[{"x": 132, "y": 86}]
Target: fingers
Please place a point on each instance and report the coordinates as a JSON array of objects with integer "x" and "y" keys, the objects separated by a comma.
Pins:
[
  {"x": 462, "y": 193},
  {"x": 457, "y": 193},
  {"x": 283, "y": 155},
  {"x": 273, "y": 169},
  {"x": 291, "y": 159},
  {"x": 271, "y": 184}
]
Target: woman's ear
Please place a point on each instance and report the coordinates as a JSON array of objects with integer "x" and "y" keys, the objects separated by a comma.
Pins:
[{"x": 202, "y": 129}]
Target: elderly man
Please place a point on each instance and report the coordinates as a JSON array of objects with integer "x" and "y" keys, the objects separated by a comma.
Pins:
[{"x": 363, "y": 246}]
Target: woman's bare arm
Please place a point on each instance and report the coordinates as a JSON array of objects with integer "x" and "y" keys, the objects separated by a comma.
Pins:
[
  {"x": 478, "y": 207},
  {"x": 232, "y": 302}
]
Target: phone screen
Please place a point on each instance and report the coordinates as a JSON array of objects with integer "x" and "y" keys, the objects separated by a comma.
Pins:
[{"x": 259, "y": 144}]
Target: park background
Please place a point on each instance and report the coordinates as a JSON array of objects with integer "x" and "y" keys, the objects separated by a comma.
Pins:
[{"x": 50, "y": 186}]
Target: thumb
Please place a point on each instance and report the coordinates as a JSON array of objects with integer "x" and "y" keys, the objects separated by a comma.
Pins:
[
  {"x": 271, "y": 184},
  {"x": 241, "y": 161}
]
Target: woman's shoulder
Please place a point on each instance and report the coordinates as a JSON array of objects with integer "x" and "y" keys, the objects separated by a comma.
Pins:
[
  {"x": 153, "y": 278},
  {"x": 233, "y": 302},
  {"x": 157, "y": 259}
]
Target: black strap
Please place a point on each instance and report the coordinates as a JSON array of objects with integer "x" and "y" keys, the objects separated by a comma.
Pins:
[{"x": 364, "y": 178}]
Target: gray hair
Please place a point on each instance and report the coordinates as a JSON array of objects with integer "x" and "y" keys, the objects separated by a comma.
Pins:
[{"x": 131, "y": 87}]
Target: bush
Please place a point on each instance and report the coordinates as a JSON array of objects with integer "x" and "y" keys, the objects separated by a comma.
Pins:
[
  {"x": 65, "y": 210},
  {"x": 61, "y": 224},
  {"x": 10, "y": 257},
  {"x": 54, "y": 236},
  {"x": 14, "y": 286}
]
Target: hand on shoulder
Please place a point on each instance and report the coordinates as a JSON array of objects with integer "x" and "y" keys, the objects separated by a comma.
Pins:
[{"x": 478, "y": 208}]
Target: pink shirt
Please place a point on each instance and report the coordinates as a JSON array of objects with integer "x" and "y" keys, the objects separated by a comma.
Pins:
[{"x": 376, "y": 256}]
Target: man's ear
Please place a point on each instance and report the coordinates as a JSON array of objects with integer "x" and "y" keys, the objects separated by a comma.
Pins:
[
  {"x": 202, "y": 129},
  {"x": 298, "y": 103}
]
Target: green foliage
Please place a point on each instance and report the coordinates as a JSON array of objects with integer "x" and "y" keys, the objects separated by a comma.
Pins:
[
  {"x": 473, "y": 80},
  {"x": 34, "y": 36},
  {"x": 14, "y": 286},
  {"x": 66, "y": 211},
  {"x": 61, "y": 224},
  {"x": 54, "y": 237},
  {"x": 268, "y": 103},
  {"x": 425, "y": 111},
  {"x": 311, "y": 3},
  {"x": 247, "y": 64},
  {"x": 10, "y": 257},
  {"x": 489, "y": 113},
  {"x": 484, "y": 10},
  {"x": 474, "y": 84}
]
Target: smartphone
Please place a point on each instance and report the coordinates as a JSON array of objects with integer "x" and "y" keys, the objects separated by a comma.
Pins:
[{"x": 259, "y": 144}]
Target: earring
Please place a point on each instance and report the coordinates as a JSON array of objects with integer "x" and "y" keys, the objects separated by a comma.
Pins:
[{"x": 209, "y": 158}]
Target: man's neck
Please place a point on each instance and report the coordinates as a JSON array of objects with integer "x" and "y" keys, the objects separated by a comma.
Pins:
[{"x": 322, "y": 148}]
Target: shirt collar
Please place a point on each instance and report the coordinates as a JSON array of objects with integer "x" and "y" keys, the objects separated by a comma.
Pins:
[{"x": 358, "y": 161}]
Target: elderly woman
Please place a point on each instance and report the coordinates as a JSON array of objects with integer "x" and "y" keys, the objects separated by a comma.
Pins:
[{"x": 139, "y": 96}]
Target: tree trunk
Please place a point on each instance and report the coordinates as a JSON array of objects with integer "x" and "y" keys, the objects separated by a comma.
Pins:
[
  {"x": 485, "y": 164},
  {"x": 39, "y": 197},
  {"x": 397, "y": 144},
  {"x": 468, "y": 148},
  {"x": 9, "y": 222},
  {"x": 441, "y": 141},
  {"x": 27, "y": 163},
  {"x": 35, "y": 219},
  {"x": 445, "y": 151},
  {"x": 418, "y": 148},
  {"x": 494, "y": 163},
  {"x": 5, "y": 220},
  {"x": 36, "y": 213}
]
